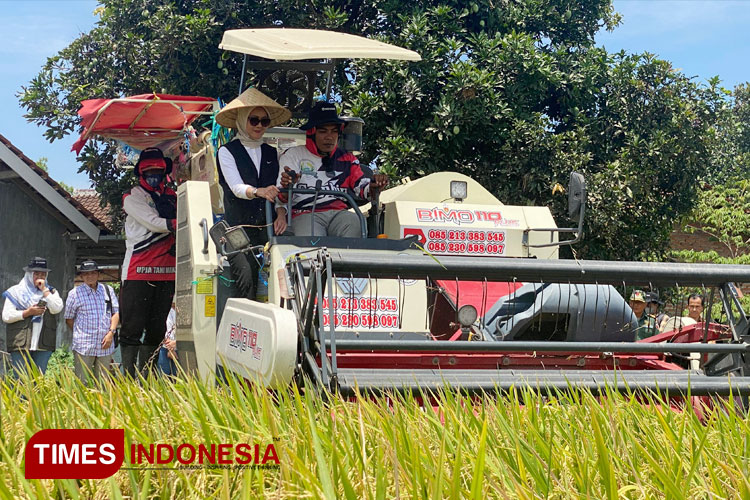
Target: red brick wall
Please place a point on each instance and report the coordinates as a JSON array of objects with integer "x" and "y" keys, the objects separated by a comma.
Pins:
[{"x": 698, "y": 241}]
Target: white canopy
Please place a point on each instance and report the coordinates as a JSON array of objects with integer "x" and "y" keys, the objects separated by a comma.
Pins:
[{"x": 291, "y": 44}]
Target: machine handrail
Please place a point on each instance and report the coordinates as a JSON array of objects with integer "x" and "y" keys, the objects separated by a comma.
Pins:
[
  {"x": 413, "y": 266},
  {"x": 204, "y": 226}
]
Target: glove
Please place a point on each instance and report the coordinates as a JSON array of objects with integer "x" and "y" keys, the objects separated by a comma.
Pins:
[
  {"x": 243, "y": 274},
  {"x": 166, "y": 205}
]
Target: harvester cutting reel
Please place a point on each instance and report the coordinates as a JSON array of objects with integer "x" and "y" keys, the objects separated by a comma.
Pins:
[{"x": 558, "y": 325}]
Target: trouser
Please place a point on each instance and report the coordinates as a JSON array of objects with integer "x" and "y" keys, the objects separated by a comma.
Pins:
[
  {"x": 87, "y": 365},
  {"x": 166, "y": 363},
  {"x": 245, "y": 267},
  {"x": 144, "y": 305},
  {"x": 19, "y": 360},
  {"x": 341, "y": 223}
]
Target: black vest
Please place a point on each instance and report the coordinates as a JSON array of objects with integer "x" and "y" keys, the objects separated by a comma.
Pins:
[
  {"x": 238, "y": 210},
  {"x": 19, "y": 334}
]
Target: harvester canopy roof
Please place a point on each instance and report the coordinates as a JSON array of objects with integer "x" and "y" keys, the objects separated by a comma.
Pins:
[
  {"x": 293, "y": 44},
  {"x": 141, "y": 121}
]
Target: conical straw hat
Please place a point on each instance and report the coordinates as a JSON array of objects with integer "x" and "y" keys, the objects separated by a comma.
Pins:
[{"x": 252, "y": 98}]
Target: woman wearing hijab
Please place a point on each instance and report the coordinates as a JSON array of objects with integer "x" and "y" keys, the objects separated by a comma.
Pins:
[
  {"x": 248, "y": 170},
  {"x": 28, "y": 313}
]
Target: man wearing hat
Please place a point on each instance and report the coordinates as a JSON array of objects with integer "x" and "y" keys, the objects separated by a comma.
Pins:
[
  {"x": 646, "y": 325},
  {"x": 248, "y": 170},
  {"x": 321, "y": 163},
  {"x": 149, "y": 265},
  {"x": 92, "y": 312},
  {"x": 653, "y": 303},
  {"x": 29, "y": 311}
]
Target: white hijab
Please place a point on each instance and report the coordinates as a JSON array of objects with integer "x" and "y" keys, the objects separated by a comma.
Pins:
[
  {"x": 241, "y": 127},
  {"x": 24, "y": 294}
]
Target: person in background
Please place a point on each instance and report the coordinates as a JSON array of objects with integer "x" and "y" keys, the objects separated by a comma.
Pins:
[
  {"x": 646, "y": 324},
  {"x": 168, "y": 349},
  {"x": 93, "y": 313},
  {"x": 695, "y": 307},
  {"x": 29, "y": 313},
  {"x": 149, "y": 265},
  {"x": 248, "y": 170},
  {"x": 652, "y": 308}
]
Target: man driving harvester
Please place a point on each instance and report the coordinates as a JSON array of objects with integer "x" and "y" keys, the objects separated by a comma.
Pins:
[{"x": 321, "y": 165}]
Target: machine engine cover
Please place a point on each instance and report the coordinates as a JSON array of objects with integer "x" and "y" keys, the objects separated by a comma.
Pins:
[{"x": 258, "y": 341}]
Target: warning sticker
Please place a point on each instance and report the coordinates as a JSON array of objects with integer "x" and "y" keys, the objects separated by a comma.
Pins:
[
  {"x": 205, "y": 286},
  {"x": 210, "y": 309}
]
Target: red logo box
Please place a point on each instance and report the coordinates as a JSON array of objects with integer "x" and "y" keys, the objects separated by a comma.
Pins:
[{"x": 74, "y": 453}]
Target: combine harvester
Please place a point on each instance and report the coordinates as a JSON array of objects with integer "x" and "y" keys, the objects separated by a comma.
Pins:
[{"x": 447, "y": 286}]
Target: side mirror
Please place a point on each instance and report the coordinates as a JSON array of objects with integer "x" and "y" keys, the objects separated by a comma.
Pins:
[
  {"x": 351, "y": 138},
  {"x": 576, "y": 193},
  {"x": 576, "y": 205}
]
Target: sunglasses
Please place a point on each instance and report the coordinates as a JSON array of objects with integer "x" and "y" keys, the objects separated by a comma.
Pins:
[{"x": 254, "y": 121}]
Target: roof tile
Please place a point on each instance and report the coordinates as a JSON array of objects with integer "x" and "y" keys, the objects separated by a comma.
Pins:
[{"x": 87, "y": 212}]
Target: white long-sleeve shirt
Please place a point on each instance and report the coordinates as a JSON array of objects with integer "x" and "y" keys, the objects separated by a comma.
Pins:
[
  {"x": 12, "y": 315},
  {"x": 148, "y": 240},
  {"x": 232, "y": 175}
]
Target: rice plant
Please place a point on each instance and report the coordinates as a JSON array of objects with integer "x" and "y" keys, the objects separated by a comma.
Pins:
[{"x": 521, "y": 445}]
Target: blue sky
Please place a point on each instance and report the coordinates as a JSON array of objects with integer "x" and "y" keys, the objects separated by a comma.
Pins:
[
  {"x": 702, "y": 38},
  {"x": 34, "y": 30}
]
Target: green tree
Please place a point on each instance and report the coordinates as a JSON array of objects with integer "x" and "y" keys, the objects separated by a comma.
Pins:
[
  {"x": 42, "y": 163},
  {"x": 519, "y": 112},
  {"x": 514, "y": 94},
  {"x": 723, "y": 213},
  {"x": 722, "y": 210}
]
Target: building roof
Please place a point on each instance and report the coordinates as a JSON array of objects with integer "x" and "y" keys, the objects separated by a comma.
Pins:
[
  {"x": 91, "y": 201},
  {"x": 16, "y": 166}
]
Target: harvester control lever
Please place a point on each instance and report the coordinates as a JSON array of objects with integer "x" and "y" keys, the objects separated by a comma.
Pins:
[{"x": 318, "y": 186}]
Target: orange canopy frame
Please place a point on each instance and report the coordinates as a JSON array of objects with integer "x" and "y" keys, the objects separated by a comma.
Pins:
[{"x": 141, "y": 121}]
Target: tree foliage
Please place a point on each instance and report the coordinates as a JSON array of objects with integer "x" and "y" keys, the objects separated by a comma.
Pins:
[
  {"x": 722, "y": 210},
  {"x": 519, "y": 112},
  {"x": 723, "y": 213},
  {"x": 513, "y": 93}
]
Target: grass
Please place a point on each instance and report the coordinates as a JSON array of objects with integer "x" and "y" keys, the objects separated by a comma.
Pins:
[
  {"x": 61, "y": 359},
  {"x": 520, "y": 446}
]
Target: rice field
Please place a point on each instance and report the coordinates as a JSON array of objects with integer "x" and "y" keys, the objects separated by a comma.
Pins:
[{"x": 519, "y": 446}]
